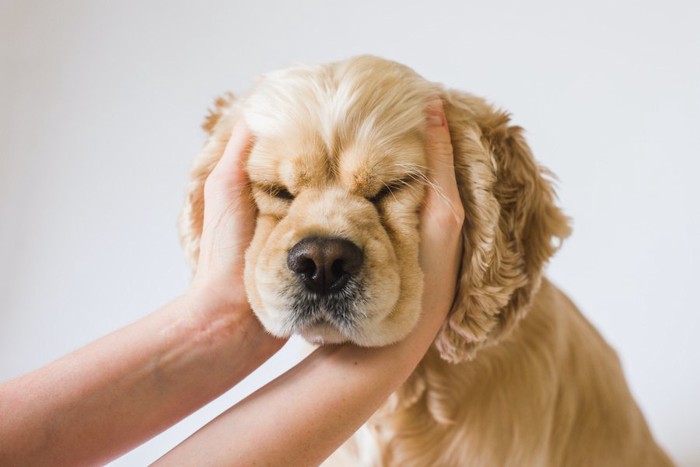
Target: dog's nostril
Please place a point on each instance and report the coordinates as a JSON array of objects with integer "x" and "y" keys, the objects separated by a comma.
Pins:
[
  {"x": 337, "y": 268},
  {"x": 307, "y": 267},
  {"x": 325, "y": 264},
  {"x": 301, "y": 262}
]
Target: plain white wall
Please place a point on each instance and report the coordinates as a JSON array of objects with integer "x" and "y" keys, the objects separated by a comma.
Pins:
[{"x": 100, "y": 104}]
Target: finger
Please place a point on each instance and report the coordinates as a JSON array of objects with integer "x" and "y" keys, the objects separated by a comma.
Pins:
[
  {"x": 438, "y": 143},
  {"x": 443, "y": 192},
  {"x": 443, "y": 213},
  {"x": 230, "y": 168},
  {"x": 227, "y": 185},
  {"x": 437, "y": 132}
]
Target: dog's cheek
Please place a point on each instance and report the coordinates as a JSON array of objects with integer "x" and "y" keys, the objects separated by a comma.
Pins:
[
  {"x": 263, "y": 229},
  {"x": 402, "y": 229},
  {"x": 267, "y": 274},
  {"x": 401, "y": 220},
  {"x": 382, "y": 280}
]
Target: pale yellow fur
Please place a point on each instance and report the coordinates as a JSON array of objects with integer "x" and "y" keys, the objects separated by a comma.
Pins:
[{"x": 517, "y": 376}]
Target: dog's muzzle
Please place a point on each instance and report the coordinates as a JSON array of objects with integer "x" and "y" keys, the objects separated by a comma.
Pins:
[{"x": 328, "y": 290}]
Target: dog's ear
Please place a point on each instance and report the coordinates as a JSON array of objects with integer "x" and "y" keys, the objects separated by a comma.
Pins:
[
  {"x": 512, "y": 226},
  {"x": 218, "y": 125}
]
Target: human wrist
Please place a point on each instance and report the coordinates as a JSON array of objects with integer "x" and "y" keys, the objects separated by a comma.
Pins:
[
  {"x": 216, "y": 310},
  {"x": 225, "y": 315},
  {"x": 212, "y": 290}
]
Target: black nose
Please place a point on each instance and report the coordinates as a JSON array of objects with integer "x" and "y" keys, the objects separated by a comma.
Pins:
[{"x": 325, "y": 264}]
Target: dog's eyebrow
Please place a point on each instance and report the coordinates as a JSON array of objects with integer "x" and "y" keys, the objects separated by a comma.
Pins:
[
  {"x": 266, "y": 185},
  {"x": 411, "y": 174},
  {"x": 399, "y": 182},
  {"x": 396, "y": 184}
]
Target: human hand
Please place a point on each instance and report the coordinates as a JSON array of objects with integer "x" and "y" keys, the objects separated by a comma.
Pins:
[
  {"x": 441, "y": 220},
  {"x": 229, "y": 222}
]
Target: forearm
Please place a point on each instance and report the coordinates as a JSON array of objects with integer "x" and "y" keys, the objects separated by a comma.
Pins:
[
  {"x": 303, "y": 416},
  {"x": 117, "y": 392}
]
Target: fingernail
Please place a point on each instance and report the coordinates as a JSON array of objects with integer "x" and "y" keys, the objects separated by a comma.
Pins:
[
  {"x": 435, "y": 120},
  {"x": 435, "y": 101},
  {"x": 435, "y": 113}
]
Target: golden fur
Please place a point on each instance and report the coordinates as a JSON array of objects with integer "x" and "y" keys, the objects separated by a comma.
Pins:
[{"x": 516, "y": 375}]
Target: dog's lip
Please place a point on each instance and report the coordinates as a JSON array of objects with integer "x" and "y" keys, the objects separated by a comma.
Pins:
[
  {"x": 320, "y": 332},
  {"x": 315, "y": 339}
]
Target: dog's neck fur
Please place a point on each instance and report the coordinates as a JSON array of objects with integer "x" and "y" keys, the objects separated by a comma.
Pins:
[{"x": 531, "y": 399}]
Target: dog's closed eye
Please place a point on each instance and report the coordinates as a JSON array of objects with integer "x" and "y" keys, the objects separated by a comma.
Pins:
[
  {"x": 389, "y": 189},
  {"x": 277, "y": 191}
]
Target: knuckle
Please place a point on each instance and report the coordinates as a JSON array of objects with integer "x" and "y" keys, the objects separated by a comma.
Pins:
[
  {"x": 440, "y": 146},
  {"x": 448, "y": 217}
]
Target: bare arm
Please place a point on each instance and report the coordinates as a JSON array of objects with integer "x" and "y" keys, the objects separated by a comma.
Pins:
[
  {"x": 108, "y": 397},
  {"x": 119, "y": 391},
  {"x": 303, "y": 416}
]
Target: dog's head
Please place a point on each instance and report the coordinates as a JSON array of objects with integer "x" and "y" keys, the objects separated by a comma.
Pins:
[{"x": 338, "y": 172}]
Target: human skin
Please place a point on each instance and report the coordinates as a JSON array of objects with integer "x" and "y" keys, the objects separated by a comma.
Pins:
[{"x": 112, "y": 395}]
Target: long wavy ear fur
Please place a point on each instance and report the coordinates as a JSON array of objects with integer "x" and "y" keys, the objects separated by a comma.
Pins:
[
  {"x": 512, "y": 226},
  {"x": 218, "y": 124}
]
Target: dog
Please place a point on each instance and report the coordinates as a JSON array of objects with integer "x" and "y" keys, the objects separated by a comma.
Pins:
[{"x": 516, "y": 375}]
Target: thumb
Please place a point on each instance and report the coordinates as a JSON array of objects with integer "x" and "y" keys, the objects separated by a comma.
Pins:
[
  {"x": 229, "y": 169},
  {"x": 228, "y": 183},
  {"x": 442, "y": 192}
]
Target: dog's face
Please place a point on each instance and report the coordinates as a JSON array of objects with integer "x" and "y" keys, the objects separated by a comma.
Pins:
[{"x": 338, "y": 173}]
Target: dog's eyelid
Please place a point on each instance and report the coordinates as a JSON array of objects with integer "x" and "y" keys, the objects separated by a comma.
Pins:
[
  {"x": 283, "y": 193},
  {"x": 390, "y": 187},
  {"x": 276, "y": 191}
]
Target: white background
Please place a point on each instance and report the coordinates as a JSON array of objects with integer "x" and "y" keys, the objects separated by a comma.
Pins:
[{"x": 100, "y": 104}]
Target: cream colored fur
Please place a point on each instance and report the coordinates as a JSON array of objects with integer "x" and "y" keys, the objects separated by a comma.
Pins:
[{"x": 516, "y": 376}]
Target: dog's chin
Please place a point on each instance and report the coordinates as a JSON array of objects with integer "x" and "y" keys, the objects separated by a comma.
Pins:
[
  {"x": 322, "y": 334},
  {"x": 336, "y": 320}
]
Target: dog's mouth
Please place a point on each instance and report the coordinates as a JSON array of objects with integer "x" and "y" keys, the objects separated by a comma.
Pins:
[
  {"x": 330, "y": 318},
  {"x": 321, "y": 332},
  {"x": 331, "y": 288}
]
